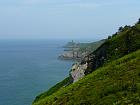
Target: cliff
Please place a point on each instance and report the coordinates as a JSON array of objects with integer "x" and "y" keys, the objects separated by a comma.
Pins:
[
  {"x": 108, "y": 76},
  {"x": 77, "y": 51}
]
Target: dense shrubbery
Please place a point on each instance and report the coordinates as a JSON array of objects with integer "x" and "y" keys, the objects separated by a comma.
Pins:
[{"x": 125, "y": 41}]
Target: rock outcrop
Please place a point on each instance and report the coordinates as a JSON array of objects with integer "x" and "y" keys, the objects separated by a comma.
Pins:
[{"x": 78, "y": 71}]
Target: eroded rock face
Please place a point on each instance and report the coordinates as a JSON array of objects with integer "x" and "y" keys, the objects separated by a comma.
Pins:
[{"x": 78, "y": 71}]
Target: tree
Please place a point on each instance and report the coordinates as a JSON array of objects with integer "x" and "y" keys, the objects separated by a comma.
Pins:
[
  {"x": 120, "y": 29},
  {"x": 115, "y": 34},
  {"x": 139, "y": 21},
  {"x": 126, "y": 27},
  {"x": 109, "y": 37}
]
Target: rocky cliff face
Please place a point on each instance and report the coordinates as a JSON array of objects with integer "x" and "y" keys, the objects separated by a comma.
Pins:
[{"x": 78, "y": 71}]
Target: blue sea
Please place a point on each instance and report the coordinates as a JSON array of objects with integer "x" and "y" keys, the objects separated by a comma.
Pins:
[{"x": 28, "y": 68}]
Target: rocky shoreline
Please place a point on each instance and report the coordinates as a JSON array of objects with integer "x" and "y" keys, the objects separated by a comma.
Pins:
[
  {"x": 78, "y": 51},
  {"x": 71, "y": 52}
]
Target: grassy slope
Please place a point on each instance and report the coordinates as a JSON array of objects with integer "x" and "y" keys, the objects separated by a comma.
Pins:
[
  {"x": 117, "y": 82},
  {"x": 127, "y": 40},
  {"x": 123, "y": 43},
  {"x": 53, "y": 89},
  {"x": 90, "y": 47}
]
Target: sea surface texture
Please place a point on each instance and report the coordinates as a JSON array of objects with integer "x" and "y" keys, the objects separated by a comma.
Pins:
[{"x": 29, "y": 67}]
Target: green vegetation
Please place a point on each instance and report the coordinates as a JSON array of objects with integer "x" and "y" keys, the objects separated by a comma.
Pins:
[
  {"x": 54, "y": 89},
  {"x": 123, "y": 42},
  {"x": 90, "y": 47},
  {"x": 112, "y": 77},
  {"x": 115, "y": 83},
  {"x": 77, "y": 51},
  {"x": 85, "y": 47}
]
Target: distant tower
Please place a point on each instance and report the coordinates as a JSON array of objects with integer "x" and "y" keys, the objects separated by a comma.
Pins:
[
  {"x": 72, "y": 41},
  {"x": 73, "y": 48}
]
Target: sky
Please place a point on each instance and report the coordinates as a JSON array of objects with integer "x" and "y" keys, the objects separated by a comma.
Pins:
[{"x": 65, "y": 19}]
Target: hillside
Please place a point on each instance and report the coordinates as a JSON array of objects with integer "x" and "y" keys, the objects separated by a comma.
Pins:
[
  {"x": 117, "y": 82},
  {"x": 124, "y": 42},
  {"x": 77, "y": 51},
  {"x": 90, "y": 47},
  {"x": 109, "y": 75}
]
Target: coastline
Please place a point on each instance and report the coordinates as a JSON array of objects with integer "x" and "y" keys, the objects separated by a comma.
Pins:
[{"x": 78, "y": 51}]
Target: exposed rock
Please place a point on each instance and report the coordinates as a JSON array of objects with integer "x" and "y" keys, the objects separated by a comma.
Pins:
[
  {"x": 78, "y": 71},
  {"x": 70, "y": 55}
]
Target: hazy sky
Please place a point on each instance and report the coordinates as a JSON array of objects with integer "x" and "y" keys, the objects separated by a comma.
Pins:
[{"x": 65, "y": 18}]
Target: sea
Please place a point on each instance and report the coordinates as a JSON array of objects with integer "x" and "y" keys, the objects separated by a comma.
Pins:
[{"x": 28, "y": 68}]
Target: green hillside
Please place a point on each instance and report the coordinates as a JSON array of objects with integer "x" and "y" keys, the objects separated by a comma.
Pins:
[
  {"x": 77, "y": 51},
  {"x": 112, "y": 76},
  {"x": 90, "y": 47},
  {"x": 120, "y": 44},
  {"x": 115, "y": 83}
]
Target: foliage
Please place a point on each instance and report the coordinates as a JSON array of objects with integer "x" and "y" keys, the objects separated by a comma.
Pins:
[
  {"x": 119, "y": 45},
  {"x": 114, "y": 83}
]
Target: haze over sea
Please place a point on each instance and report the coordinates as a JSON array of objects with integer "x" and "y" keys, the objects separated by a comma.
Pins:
[{"x": 29, "y": 67}]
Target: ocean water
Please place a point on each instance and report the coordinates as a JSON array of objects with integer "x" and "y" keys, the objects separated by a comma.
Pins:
[{"x": 29, "y": 67}]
